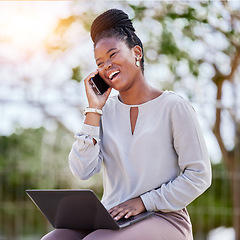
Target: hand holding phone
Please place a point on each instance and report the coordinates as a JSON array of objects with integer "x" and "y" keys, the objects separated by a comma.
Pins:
[
  {"x": 99, "y": 84},
  {"x": 95, "y": 99}
]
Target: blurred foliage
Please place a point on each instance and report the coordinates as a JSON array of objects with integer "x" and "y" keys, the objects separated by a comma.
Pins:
[
  {"x": 213, "y": 208},
  {"x": 139, "y": 11},
  {"x": 32, "y": 159},
  {"x": 29, "y": 156},
  {"x": 77, "y": 74},
  {"x": 37, "y": 157}
]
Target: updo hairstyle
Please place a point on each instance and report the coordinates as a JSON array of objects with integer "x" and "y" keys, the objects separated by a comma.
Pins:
[{"x": 116, "y": 23}]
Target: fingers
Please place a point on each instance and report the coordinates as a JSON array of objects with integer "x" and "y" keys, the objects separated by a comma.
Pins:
[
  {"x": 120, "y": 215},
  {"x": 91, "y": 75},
  {"x": 127, "y": 209},
  {"x": 118, "y": 212},
  {"x": 87, "y": 81},
  {"x": 94, "y": 99}
]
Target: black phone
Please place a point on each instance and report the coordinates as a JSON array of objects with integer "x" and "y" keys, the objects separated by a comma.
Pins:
[{"x": 99, "y": 84}]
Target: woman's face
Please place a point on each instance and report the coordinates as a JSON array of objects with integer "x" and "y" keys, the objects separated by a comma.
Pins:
[{"x": 116, "y": 63}]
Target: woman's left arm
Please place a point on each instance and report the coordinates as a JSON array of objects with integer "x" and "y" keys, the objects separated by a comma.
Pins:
[{"x": 193, "y": 161}]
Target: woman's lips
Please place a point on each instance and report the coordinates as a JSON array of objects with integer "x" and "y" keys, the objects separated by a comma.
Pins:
[{"x": 112, "y": 75}]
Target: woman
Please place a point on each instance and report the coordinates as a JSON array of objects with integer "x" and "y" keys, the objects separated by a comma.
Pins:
[{"x": 148, "y": 141}]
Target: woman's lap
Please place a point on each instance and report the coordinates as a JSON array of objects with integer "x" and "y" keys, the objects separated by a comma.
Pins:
[
  {"x": 65, "y": 234},
  {"x": 161, "y": 226}
]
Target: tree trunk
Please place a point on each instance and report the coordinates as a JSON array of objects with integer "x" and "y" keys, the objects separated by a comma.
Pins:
[
  {"x": 230, "y": 158},
  {"x": 235, "y": 185}
]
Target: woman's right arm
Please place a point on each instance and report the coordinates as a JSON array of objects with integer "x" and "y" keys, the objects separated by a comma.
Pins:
[{"x": 85, "y": 157}]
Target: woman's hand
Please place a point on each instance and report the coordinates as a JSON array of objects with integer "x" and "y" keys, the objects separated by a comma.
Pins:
[
  {"x": 95, "y": 100},
  {"x": 127, "y": 209}
]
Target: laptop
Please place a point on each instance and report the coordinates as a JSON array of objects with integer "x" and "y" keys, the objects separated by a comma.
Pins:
[{"x": 78, "y": 209}]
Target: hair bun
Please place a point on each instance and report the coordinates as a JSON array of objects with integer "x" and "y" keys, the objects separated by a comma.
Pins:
[{"x": 110, "y": 19}]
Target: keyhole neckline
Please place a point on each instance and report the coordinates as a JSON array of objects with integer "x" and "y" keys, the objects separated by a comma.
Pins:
[{"x": 133, "y": 115}]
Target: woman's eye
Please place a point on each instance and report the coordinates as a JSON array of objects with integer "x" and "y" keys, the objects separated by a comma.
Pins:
[
  {"x": 113, "y": 54},
  {"x": 100, "y": 64}
]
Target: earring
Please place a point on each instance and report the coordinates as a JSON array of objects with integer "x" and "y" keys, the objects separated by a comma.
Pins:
[{"x": 138, "y": 63}]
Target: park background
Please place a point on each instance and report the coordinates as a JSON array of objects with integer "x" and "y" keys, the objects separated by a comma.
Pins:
[{"x": 191, "y": 47}]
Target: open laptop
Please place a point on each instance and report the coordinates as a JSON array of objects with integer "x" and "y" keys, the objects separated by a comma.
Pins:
[{"x": 78, "y": 209}]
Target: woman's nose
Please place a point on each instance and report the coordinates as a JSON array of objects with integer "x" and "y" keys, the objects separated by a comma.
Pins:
[{"x": 108, "y": 65}]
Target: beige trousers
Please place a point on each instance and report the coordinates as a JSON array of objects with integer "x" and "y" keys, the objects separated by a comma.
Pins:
[{"x": 160, "y": 226}]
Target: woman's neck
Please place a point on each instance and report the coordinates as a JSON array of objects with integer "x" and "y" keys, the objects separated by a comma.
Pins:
[{"x": 139, "y": 93}]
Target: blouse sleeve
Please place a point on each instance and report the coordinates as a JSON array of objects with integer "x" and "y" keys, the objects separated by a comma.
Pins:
[
  {"x": 193, "y": 161},
  {"x": 85, "y": 157}
]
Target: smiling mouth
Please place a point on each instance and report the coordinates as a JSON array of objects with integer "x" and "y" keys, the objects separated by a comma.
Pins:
[{"x": 113, "y": 75}]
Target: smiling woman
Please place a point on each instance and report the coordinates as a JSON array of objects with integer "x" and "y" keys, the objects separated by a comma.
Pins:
[
  {"x": 116, "y": 63},
  {"x": 148, "y": 142}
]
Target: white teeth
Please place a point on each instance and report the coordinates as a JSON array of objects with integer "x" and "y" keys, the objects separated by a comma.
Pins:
[{"x": 112, "y": 74}]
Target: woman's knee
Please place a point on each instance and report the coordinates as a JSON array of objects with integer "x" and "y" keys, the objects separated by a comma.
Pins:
[{"x": 63, "y": 234}]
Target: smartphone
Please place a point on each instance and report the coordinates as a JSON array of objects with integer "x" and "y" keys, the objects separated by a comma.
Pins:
[{"x": 99, "y": 84}]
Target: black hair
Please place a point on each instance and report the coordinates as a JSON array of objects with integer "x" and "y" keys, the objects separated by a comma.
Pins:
[{"x": 116, "y": 23}]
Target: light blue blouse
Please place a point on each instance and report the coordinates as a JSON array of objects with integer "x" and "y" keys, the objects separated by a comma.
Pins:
[{"x": 165, "y": 161}]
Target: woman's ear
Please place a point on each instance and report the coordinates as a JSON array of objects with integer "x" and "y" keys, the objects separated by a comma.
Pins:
[{"x": 137, "y": 50}]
